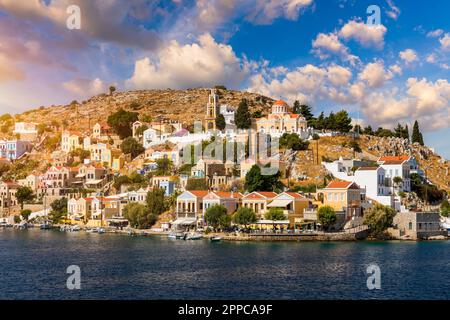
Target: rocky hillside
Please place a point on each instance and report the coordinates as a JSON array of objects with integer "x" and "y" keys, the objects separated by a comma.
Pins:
[
  {"x": 185, "y": 106},
  {"x": 305, "y": 169}
]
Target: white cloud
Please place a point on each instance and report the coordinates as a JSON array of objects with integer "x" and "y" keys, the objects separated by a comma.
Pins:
[
  {"x": 408, "y": 55},
  {"x": 307, "y": 83},
  {"x": 424, "y": 100},
  {"x": 435, "y": 33},
  {"x": 266, "y": 11},
  {"x": 326, "y": 44},
  {"x": 85, "y": 87},
  {"x": 366, "y": 35},
  {"x": 375, "y": 75},
  {"x": 393, "y": 11},
  {"x": 445, "y": 42},
  {"x": 212, "y": 13},
  {"x": 396, "y": 69},
  {"x": 205, "y": 63}
]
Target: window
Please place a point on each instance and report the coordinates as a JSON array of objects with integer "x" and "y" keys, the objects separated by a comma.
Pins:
[{"x": 410, "y": 226}]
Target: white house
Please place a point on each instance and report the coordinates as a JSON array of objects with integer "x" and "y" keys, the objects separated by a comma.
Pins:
[
  {"x": 229, "y": 200},
  {"x": 397, "y": 166}
]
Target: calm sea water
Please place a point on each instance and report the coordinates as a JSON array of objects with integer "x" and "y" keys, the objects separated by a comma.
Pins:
[{"x": 33, "y": 266}]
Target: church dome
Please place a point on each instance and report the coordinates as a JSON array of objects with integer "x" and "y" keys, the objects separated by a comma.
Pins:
[{"x": 280, "y": 103}]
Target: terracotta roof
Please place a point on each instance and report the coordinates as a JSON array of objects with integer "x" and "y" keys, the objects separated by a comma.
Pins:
[
  {"x": 225, "y": 194},
  {"x": 394, "y": 158},
  {"x": 295, "y": 195},
  {"x": 261, "y": 195},
  {"x": 341, "y": 185},
  {"x": 280, "y": 103},
  {"x": 199, "y": 193}
]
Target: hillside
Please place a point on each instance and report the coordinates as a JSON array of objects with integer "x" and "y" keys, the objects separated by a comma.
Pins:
[
  {"x": 188, "y": 105},
  {"x": 185, "y": 106}
]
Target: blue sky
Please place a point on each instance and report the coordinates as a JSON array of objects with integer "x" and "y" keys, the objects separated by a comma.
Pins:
[{"x": 321, "y": 52}]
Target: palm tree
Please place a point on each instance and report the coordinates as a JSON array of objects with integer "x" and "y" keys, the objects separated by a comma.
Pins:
[{"x": 111, "y": 90}]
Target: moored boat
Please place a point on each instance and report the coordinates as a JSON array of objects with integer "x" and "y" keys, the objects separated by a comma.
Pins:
[
  {"x": 193, "y": 236},
  {"x": 215, "y": 239}
]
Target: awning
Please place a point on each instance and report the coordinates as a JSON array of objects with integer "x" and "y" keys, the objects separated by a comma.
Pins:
[
  {"x": 272, "y": 222},
  {"x": 279, "y": 203},
  {"x": 93, "y": 181},
  {"x": 80, "y": 175},
  {"x": 185, "y": 221}
]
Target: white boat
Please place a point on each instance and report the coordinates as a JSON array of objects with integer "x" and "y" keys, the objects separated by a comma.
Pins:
[
  {"x": 193, "y": 236},
  {"x": 101, "y": 230},
  {"x": 75, "y": 228},
  {"x": 215, "y": 239},
  {"x": 45, "y": 225}
]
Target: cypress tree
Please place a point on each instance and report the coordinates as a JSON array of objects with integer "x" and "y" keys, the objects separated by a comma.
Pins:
[
  {"x": 242, "y": 117},
  {"x": 220, "y": 122},
  {"x": 416, "y": 134}
]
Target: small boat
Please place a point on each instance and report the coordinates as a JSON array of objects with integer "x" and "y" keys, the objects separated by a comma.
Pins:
[
  {"x": 193, "y": 236},
  {"x": 101, "y": 230},
  {"x": 215, "y": 239},
  {"x": 75, "y": 228},
  {"x": 23, "y": 225},
  {"x": 45, "y": 226},
  {"x": 175, "y": 235}
]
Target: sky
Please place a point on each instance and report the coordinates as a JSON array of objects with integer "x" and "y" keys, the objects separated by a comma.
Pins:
[{"x": 329, "y": 54}]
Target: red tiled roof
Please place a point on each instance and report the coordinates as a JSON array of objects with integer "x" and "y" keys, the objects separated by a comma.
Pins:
[
  {"x": 295, "y": 195},
  {"x": 261, "y": 195},
  {"x": 341, "y": 185},
  {"x": 199, "y": 193},
  {"x": 227, "y": 194}
]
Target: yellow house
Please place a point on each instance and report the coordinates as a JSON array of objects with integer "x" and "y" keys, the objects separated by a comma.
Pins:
[
  {"x": 258, "y": 201},
  {"x": 71, "y": 140},
  {"x": 293, "y": 205},
  {"x": 342, "y": 196}
]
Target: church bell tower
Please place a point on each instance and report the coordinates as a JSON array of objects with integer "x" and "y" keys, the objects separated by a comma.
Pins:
[{"x": 212, "y": 109}]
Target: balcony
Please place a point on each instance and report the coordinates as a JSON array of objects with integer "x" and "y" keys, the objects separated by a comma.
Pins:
[{"x": 310, "y": 214}]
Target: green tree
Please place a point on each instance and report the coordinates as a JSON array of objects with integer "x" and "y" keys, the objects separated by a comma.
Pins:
[
  {"x": 445, "y": 208},
  {"x": 155, "y": 201},
  {"x": 131, "y": 146},
  {"x": 242, "y": 117},
  {"x": 165, "y": 167},
  {"x": 220, "y": 122},
  {"x": 121, "y": 180},
  {"x": 342, "y": 121},
  {"x": 25, "y": 214},
  {"x": 275, "y": 214},
  {"x": 58, "y": 210},
  {"x": 139, "y": 215},
  {"x": 306, "y": 112},
  {"x": 214, "y": 215},
  {"x": 293, "y": 141},
  {"x": 244, "y": 216},
  {"x": 416, "y": 134},
  {"x": 23, "y": 195},
  {"x": 141, "y": 129},
  {"x": 256, "y": 181},
  {"x": 379, "y": 218},
  {"x": 326, "y": 217},
  {"x": 121, "y": 122},
  {"x": 111, "y": 90},
  {"x": 368, "y": 130},
  {"x": 196, "y": 184}
]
